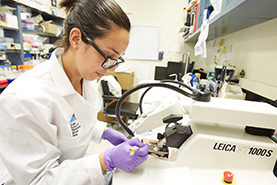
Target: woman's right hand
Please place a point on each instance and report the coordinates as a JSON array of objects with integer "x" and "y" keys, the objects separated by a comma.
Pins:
[{"x": 126, "y": 156}]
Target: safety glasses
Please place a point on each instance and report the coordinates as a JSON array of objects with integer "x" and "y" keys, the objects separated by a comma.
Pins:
[{"x": 109, "y": 62}]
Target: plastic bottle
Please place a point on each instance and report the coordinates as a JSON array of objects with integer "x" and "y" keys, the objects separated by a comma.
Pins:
[
  {"x": 14, "y": 68},
  {"x": 196, "y": 81}
]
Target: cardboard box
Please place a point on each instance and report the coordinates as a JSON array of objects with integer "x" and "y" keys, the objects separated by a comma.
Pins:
[{"x": 49, "y": 27}]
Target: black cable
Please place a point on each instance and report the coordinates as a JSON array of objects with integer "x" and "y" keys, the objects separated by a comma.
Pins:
[
  {"x": 171, "y": 81},
  {"x": 141, "y": 98},
  {"x": 196, "y": 95}
]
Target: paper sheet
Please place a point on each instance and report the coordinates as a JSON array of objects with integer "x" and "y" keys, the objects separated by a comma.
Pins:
[{"x": 200, "y": 48}]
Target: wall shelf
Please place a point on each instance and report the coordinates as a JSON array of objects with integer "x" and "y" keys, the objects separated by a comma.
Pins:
[
  {"x": 9, "y": 28},
  {"x": 11, "y": 51},
  {"x": 236, "y": 16},
  {"x": 47, "y": 35},
  {"x": 49, "y": 11},
  {"x": 17, "y": 58}
]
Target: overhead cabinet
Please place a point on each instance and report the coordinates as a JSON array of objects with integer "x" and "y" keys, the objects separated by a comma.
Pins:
[{"x": 236, "y": 15}]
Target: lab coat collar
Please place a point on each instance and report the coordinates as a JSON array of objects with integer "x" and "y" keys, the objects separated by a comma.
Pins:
[{"x": 59, "y": 76}]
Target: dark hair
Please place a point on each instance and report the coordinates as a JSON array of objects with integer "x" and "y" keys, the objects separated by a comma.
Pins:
[{"x": 94, "y": 17}]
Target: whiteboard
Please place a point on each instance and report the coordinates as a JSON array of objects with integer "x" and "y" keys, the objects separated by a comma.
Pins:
[{"x": 144, "y": 43}]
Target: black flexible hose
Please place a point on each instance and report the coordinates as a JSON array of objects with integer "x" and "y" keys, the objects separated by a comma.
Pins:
[
  {"x": 141, "y": 99},
  {"x": 171, "y": 81},
  {"x": 196, "y": 95}
]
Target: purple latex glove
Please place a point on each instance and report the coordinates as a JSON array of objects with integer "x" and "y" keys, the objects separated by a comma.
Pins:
[
  {"x": 114, "y": 136},
  {"x": 122, "y": 156}
]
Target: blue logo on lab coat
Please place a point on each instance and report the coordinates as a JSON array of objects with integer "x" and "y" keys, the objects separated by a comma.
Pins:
[{"x": 75, "y": 125}]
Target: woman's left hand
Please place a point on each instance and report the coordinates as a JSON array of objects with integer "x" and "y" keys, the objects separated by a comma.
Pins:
[{"x": 114, "y": 136}]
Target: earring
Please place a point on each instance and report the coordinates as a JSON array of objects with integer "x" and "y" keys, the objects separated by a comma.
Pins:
[{"x": 74, "y": 46}]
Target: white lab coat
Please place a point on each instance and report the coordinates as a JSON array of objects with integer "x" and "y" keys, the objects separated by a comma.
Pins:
[{"x": 46, "y": 127}]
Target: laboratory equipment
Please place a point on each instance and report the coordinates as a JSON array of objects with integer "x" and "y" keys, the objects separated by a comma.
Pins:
[{"x": 213, "y": 136}]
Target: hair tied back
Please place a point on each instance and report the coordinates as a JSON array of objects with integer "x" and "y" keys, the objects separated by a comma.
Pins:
[{"x": 68, "y": 5}]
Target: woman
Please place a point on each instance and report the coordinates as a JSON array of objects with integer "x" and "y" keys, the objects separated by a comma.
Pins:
[{"x": 48, "y": 115}]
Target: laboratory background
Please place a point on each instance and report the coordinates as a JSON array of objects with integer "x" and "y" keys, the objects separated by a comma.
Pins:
[
  {"x": 225, "y": 47},
  {"x": 247, "y": 41}
]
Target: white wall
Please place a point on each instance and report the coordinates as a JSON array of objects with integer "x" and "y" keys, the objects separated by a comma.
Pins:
[
  {"x": 166, "y": 14},
  {"x": 255, "y": 50}
]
